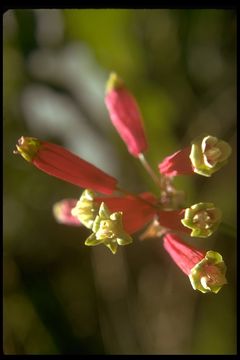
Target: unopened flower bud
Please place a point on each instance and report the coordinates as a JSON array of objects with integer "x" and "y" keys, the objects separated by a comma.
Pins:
[
  {"x": 62, "y": 212},
  {"x": 125, "y": 115}
]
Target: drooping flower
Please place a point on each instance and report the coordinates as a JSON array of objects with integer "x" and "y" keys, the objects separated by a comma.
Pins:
[
  {"x": 202, "y": 219},
  {"x": 205, "y": 156},
  {"x": 125, "y": 115},
  {"x": 61, "y": 163},
  {"x": 206, "y": 270}
]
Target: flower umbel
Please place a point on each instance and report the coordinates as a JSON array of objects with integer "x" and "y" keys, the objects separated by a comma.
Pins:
[
  {"x": 113, "y": 214},
  {"x": 206, "y": 271}
]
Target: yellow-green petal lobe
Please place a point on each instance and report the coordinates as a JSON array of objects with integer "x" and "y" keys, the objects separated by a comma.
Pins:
[
  {"x": 112, "y": 246},
  {"x": 114, "y": 82},
  {"x": 86, "y": 209},
  {"x": 108, "y": 229},
  {"x": 92, "y": 240}
]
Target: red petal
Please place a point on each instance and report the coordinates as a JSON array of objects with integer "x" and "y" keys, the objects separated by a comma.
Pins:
[
  {"x": 177, "y": 164},
  {"x": 172, "y": 220}
]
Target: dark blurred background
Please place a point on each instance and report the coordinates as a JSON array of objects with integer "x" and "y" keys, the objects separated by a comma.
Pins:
[{"x": 61, "y": 297}]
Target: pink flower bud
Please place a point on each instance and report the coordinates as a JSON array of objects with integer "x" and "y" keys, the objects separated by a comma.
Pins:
[
  {"x": 125, "y": 115},
  {"x": 62, "y": 212},
  {"x": 61, "y": 163}
]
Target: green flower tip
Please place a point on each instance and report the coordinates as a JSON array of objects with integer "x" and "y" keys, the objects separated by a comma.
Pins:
[
  {"x": 209, "y": 274},
  {"x": 86, "y": 209},
  {"x": 108, "y": 230},
  {"x": 202, "y": 218},
  {"x": 209, "y": 154},
  {"x": 27, "y": 147},
  {"x": 114, "y": 82}
]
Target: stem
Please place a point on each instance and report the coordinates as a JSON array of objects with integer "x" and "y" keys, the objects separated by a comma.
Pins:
[{"x": 150, "y": 171}]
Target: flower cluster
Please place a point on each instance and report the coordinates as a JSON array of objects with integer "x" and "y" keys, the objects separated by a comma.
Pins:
[{"x": 115, "y": 216}]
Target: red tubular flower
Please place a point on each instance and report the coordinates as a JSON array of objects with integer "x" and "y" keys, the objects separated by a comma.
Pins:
[
  {"x": 206, "y": 155},
  {"x": 125, "y": 115},
  {"x": 206, "y": 270},
  {"x": 136, "y": 212},
  {"x": 61, "y": 163},
  {"x": 199, "y": 220}
]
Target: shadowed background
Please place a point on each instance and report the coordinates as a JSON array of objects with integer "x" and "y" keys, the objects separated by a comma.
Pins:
[{"x": 61, "y": 297}]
